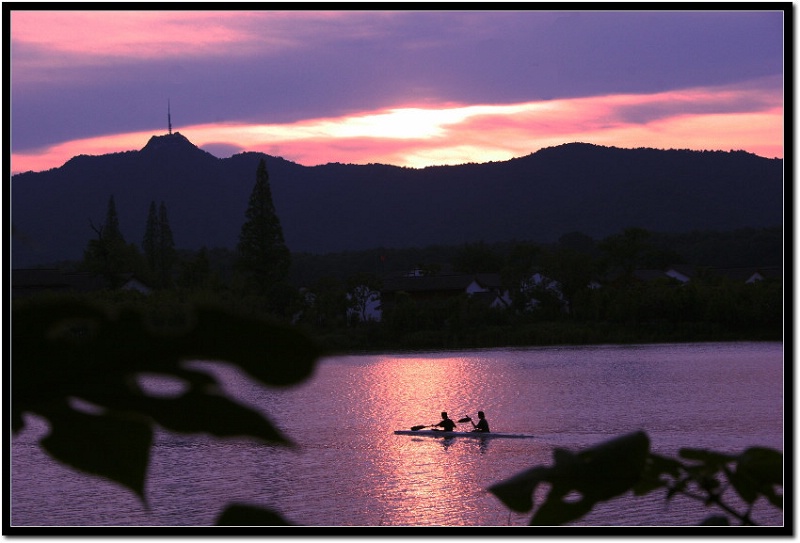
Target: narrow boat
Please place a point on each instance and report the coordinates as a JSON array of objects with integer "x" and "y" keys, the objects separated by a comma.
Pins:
[{"x": 442, "y": 433}]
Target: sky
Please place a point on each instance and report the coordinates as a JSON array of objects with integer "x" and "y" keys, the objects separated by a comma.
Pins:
[{"x": 402, "y": 87}]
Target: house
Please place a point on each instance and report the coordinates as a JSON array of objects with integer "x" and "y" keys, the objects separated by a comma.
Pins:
[
  {"x": 482, "y": 286},
  {"x": 766, "y": 273},
  {"x": 131, "y": 282},
  {"x": 750, "y": 275},
  {"x": 683, "y": 274}
]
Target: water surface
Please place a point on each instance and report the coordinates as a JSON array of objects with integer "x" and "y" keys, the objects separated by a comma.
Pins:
[{"x": 350, "y": 469}]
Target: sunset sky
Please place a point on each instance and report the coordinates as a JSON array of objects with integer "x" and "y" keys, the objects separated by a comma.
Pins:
[{"x": 409, "y": 88}]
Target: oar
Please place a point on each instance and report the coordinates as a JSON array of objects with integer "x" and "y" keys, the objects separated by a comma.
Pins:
[{"x": 421, "y": 426}]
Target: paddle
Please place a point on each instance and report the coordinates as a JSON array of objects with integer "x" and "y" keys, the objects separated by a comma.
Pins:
[{"x": 421, "y": 426}]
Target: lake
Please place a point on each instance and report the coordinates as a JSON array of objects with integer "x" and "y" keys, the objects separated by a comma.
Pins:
[{"x": 349, "y": 469}]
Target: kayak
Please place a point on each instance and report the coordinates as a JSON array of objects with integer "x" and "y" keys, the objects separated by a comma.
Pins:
[{"x": 441, "y": 433}]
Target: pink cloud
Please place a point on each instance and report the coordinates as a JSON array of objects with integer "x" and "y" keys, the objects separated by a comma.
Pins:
[
  {"x": 94, "y": 35},
  {"x": 99, "y": 33}
]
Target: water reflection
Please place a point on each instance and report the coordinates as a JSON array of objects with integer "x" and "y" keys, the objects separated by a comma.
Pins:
[
  {"x": 426, "y": 472},
  {"x": 420, "y": 388},
  {"x": 481, "y": 443}
]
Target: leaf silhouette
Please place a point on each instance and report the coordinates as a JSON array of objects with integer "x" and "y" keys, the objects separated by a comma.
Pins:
[
  {"x": 111, "y": 445},
  {"x": 247, "y": 515},
  {"x": 578, "y": 481},
  {"x": 65, "y": 349}
]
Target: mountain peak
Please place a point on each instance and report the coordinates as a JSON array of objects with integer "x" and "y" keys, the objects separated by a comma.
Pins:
[{"x": 171, "y": 141}]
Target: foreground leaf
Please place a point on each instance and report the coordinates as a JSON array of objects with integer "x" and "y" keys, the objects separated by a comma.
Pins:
[
  {"x": 596, "y": 474},
  {"x": 711, "y": 459},
  {"x": 658, "y": 470},
  {"x": 64, "y": 349},
  {"x": 213, "y": 414},
  {"x": 716, "y": 520},
  {"x": 578, "y": 481},
  {"x": 758, "y": 471},
  {"x": 276, "y": 355},
  {"x": 111, "y": 445},
  {"x": 247, "y": 515},
  {"x": 517, "y": 492}
]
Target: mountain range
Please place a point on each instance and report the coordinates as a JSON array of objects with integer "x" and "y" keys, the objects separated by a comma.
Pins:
[{"x": 575, "y": 187}]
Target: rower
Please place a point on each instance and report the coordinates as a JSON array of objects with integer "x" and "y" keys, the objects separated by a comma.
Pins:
[
  {"x": 446, "y": 423},
  {"x": 483, "y": 424}
]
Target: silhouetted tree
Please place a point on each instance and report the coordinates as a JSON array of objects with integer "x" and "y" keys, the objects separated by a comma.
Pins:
[
  {"x": 329, "y": 309},
  {"x": 262, "y": 252},
  {"x": 108, "y": 254},
  {"x": 573, "y": 270},
  {"x": 111, "y": 231},
  {"x": 578, "y": 242},
  {"x": 166, "y": 248},
  {"x": 476, "y": 258},
  {"x": 522, "y": 263},
  {"x": 158, "y": 245},
  {"x": 150, "y": 240},
  {"x": 196, "y": 273},
  {"x": 624, "y": 252},
  {"x": 361, "y": 290}
]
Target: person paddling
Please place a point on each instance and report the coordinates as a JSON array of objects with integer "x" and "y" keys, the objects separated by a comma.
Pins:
[
  {"x": 446, "y": 423},
  {"x": 483, "y": 424}
]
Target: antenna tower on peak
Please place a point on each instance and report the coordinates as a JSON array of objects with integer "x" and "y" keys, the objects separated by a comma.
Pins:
[{"x": 169, "y": 118}]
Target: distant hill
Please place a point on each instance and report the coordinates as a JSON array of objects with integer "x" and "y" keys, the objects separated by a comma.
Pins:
[{"x": 337, "y": 207}]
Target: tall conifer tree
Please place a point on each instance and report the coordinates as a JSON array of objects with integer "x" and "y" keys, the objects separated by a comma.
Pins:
[
  {"x": 151, "y": 237},
  {"x": 158, "y": 245},
  {"x": 262, "y": 252},
  {"x": 166, "y": 247},
  {"x": 111, "y": 231},
  {"x": 109, "y": 255}
]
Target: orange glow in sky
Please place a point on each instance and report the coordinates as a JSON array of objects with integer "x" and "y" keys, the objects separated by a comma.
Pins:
[{"x": 422, "y": 136}]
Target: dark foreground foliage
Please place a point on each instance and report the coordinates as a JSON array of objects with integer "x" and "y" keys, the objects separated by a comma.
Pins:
[
  {"x": 78, "y": 365},
  {"x": 579, "y": 481}
]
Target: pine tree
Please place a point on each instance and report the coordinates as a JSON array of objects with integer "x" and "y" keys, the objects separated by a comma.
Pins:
[
  {"x": 196, "y": 273},
  {"x": 111, "y": 231},
  {"x": 262, "y": 252},
  {"x": 158, "y": 245},
  {"x": 109, "y": 255},
  {"x": 166, "y": 248},
  {"x": 150, "y": 241}
]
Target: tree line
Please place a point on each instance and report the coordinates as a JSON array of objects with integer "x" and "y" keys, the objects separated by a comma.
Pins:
[
  {"x": 261, "y": 260},
  {"x": 327, "y": 295}
]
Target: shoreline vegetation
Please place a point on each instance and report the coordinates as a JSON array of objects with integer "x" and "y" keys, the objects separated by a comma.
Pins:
[
  {"x": 548, "y": 334},
  {"x": 171, "y": 311},
  {"x": 578, "y": 291}
]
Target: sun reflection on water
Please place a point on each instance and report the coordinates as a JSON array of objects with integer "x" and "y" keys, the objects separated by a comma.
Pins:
[{"x": 425, "y": 475}]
